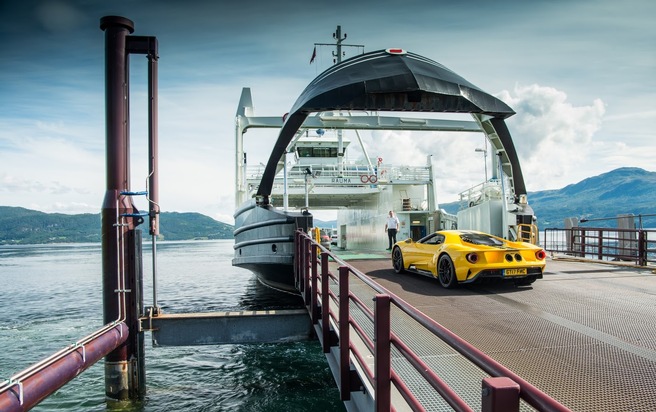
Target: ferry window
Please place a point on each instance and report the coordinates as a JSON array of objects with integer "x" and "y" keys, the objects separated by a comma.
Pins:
[
  {"x": 321, "y": 152},
  {"x": 317, "y": 152}
]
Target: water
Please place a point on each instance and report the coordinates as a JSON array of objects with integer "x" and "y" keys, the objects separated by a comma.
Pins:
[{"x": 51, "y": 296}]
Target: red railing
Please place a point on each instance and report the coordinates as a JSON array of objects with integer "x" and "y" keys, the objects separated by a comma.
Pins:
[
  {"x": 27, "y": 388},
  {"x": 637, "y": 246},
  {"x": 500, "y": 392}
]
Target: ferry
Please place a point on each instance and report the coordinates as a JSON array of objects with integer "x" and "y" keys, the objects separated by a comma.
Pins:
[{"x": 310, "y": 169}]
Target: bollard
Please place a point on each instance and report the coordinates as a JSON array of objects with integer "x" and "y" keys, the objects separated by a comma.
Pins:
[{"x": 500, "y": 394}]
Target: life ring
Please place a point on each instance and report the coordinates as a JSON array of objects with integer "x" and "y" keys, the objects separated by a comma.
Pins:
[
  {"x": 373, "y": 179},
  {"x": 364, "y": 178}
]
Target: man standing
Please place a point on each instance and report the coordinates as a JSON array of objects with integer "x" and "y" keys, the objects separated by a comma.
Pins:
[{"x": 391, "y": 228}]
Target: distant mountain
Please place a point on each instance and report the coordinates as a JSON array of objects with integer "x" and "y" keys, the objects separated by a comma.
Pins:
[
  {"x": 627, "y": 190},
  {"x": 24, "y": 226}
]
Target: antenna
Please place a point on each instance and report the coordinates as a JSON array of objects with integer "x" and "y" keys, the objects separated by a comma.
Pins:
[{"x": 338, "y": 54}]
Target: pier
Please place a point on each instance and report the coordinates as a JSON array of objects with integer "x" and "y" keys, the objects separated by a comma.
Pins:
[{"x": 583, "y": 335}]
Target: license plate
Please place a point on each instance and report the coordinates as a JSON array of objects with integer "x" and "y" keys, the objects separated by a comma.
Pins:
[{"x": 515, "y": 272}]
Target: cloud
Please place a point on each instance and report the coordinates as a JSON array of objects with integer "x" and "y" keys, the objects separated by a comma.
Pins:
[{"x": 553, "y": 137}]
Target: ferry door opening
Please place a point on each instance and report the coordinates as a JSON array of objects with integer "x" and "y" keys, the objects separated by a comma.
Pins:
[
  {"x": 417, "y": 232},
  {"x": 342, "y": 237}
]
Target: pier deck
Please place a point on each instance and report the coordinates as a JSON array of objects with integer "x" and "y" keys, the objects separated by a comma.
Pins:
[{"x": 585, "y": 334}]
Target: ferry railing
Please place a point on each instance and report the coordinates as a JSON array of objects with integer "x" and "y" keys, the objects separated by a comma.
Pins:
[
  {"x": 636, "y": 246},
  {"x": 333, "y": 307},
  {"x": 358, "y": 174},
  {"x": 480, "y": 193}
]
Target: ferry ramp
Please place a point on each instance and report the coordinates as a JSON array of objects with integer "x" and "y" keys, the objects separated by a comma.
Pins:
[{"x": 585, "y": 334}]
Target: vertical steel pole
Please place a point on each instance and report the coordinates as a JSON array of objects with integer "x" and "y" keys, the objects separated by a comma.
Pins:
[
  {"x": 135, "y": 309},
  {"x": 344, "y": 338},
  {"x": 153, "y": 170},
  {"x": 325, "y": 304},
  {"x": 382, "y": 352},
  {"x": 297, "y": 257},
  {"x": 117, "y": 29},
  {"x": 642, "y": 247},
  {"x": 314, "y": 301},
  {"x": 306, "y": 271},
  {"x": 311, "y": 276}
]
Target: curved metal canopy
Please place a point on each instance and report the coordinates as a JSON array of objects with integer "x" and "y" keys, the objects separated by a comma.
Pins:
[{"x": 385, "y": 81}]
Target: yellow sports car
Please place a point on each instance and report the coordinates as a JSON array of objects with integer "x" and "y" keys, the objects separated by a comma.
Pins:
[{"x": 464, "y": 256}]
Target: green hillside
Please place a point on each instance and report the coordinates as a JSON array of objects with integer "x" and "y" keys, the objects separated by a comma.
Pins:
[
  {"x": 24, "y": 226},
  {"x": 621, "y": 191}
]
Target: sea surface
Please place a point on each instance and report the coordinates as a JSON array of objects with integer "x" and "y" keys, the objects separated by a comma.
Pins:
[{"x": 51, "y": 296}]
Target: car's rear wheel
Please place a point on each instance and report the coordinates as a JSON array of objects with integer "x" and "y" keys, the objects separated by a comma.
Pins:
[
  {"x": 397, "y": 260},
  {"x": 446, "y": 272}
]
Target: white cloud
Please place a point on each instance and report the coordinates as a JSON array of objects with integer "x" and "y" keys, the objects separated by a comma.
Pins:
[
  {"x": 553, "y": 138},
  {"x": 52, "y": 129}
]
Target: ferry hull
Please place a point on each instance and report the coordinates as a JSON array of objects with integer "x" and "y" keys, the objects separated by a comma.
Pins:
[{"x": 264, "y": 242}]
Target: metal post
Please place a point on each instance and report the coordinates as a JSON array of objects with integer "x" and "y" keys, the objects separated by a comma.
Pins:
[
  {"x": 344, "y": 339},
  {"x": 297, "y": 254},
  {"x": 136, "y": 347},
  {"x": 117, "y": 382},
  {"x": 325, "y": 303},
  {"x": 312, "y": 280},
  {"x": 583, "y": 240},
  {"x": 642, "y": 247},
  {"x": 314, "y": 312},
  {"x": 306, "y": 271},
  {"x": 153, "y": 170},
  {"x": 382, "y": 352},
  {"x": 600, "y": 244},
  {"x": 500, "y": 394}
]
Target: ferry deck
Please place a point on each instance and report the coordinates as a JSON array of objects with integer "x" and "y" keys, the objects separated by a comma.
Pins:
[{"x": 585, "y": 334}]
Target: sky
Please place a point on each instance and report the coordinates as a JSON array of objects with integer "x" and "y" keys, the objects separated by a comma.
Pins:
[{"x": 580, "y": 75}]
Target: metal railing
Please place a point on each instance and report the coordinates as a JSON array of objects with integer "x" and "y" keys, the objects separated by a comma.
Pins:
[
  {"x": 344, "y": 320},
  {"x": 328, "y": 174},
  {"x": 636, "y": 246},
  {"x": 27, "y": 388}
]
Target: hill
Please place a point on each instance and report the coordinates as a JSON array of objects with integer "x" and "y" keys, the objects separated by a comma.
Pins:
[
  {"x": 24, "y": 226},
  {"x": 621, "y": 191}
]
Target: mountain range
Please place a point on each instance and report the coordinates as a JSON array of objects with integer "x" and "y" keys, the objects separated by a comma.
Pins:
[
  {"x": 23, "y": 226},
  {"x": 598, "y": 199}
]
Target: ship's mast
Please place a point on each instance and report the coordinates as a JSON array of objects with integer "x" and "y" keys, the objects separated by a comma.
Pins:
[{"x": 337, "y": 58}]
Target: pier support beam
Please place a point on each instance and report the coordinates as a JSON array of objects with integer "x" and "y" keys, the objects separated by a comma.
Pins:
[{"x": 121, "y": 259}]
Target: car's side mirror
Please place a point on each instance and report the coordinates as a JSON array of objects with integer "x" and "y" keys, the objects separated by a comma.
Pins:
[{"x": 408, "y": 240}]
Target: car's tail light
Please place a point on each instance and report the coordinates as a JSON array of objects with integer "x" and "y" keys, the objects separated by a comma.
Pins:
[
  {"x": 472, "y": 257},
  {"x": 540, "y": 254}
]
